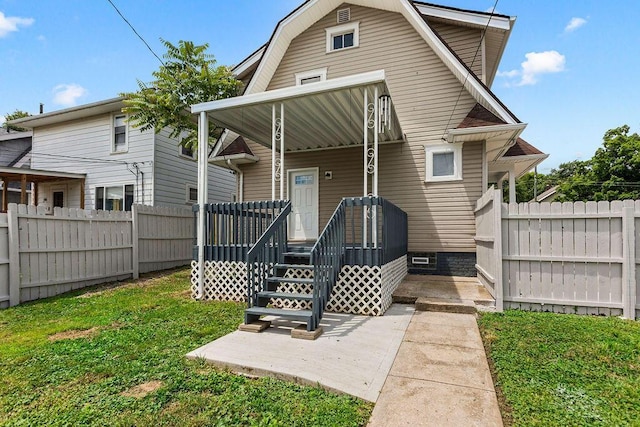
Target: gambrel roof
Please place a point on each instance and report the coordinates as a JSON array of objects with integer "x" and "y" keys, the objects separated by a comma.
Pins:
[{"x": 312, "y": 10}]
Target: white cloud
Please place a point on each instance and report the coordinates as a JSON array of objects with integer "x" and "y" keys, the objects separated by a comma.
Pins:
[
  {"x": 67, "y": 94},
  {"x": 574, "y": 24},
  {"x": 537, "y": 63},
  {"x": 9, "y": 24}
]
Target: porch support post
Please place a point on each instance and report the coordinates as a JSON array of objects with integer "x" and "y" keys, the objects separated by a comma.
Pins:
[
  {"x": 5, "y": 195},
  {"x": 376, "y": 138},
  {"x": 23, "y": 189},
  {"x": 203, "y": 140},
  {"x": 365, "y": 134},
  {"x": 282, "y": 174},
  {"x": 273, "y": 151},
  {"x": 512, "y": 185}
]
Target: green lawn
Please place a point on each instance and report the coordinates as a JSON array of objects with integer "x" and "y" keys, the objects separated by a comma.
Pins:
[
  {"x": 115, "y": 356},
  {"x": 557, "y": 370}
]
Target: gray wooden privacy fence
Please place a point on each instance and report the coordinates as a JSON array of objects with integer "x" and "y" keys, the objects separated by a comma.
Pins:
[
  {"x": 46, "y": 255},
  {"x": 565, "y": 257}
]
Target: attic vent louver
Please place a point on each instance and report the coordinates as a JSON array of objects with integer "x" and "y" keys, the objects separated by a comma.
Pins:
[{"x": 344, "y": 15}]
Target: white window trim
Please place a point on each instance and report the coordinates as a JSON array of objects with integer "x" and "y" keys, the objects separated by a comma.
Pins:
[
  {"x": 430, "y": 150},
  {"x": 320, "y": 72},
  {"x": 184, "y": 156},
  {"x": 113, "y": 134},
  {"x": 188, "y": 188},
  {"x": 115, "y": 184},
  {"x": 343, "y": 29}
]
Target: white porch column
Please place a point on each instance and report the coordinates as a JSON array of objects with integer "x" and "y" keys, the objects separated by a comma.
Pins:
[
  {"x": 282, "y": 174},
  {"x": 203, "y": 139},
  {"x": 273, "y": 151},
  {"x": 376, "y": 138},
  {"x": 365, "y": 167},
  {"x": 512, "y": 185}
]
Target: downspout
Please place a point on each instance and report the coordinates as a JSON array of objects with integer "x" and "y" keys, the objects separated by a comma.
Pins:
[{"x": 236, "y": 169}]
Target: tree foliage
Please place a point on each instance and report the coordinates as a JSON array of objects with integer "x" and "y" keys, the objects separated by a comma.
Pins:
[
  {"x": 17, "y": 114},
  {"x": 613, "y": 173},
  {"x": 188, "y": 76}
]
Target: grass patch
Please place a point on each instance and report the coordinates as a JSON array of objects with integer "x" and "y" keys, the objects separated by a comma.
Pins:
[
  {"x": 560, "y": 369},
  {"x": 116, "y": 356}
]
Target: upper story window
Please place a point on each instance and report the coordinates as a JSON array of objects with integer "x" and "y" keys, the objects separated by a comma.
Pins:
[
  {"x": 443, "y": 162},
  {"x": 119, "y": 140},
  {"x": 345, "y": 36},
  {"x": 312, "y": 76},
  {"x": 186, "y": 152}
]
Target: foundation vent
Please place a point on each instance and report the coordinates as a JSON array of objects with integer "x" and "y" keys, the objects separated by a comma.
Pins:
[{"x": 344, "y": 15}]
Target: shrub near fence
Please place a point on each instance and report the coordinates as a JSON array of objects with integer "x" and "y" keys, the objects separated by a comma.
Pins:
[
  {"x": 570, "y": 257},
  {"x": 46, "y": 255}
]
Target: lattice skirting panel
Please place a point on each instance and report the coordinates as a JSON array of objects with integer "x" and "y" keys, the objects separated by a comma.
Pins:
[
  {"x": 223, "y": 281},
  {"x": 360, "y": 289}
]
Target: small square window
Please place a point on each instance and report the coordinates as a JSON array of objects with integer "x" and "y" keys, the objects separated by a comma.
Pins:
[
  {"x": 443, "y": 162},
  {"x": 192, "y": 193},
  {"x": 344, "y": 36},
  {"x": 186, "y": 152}
]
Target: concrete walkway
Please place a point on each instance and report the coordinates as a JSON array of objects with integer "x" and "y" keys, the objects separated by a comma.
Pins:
[{"x": 440, "y": 376}]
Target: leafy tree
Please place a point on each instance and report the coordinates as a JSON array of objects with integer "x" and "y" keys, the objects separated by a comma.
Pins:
[
  {"x": 526, "y": 184},
  {"x": 17, "y": 114},
  {"x": 188, "y": 76}
]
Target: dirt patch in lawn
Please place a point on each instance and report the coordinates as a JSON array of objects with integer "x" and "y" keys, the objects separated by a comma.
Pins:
[
  {"x": 74, "y": 334},
  {"x": 142, "y": 390}
]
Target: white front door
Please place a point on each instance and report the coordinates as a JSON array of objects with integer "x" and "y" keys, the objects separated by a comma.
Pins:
[{"x": 303, "y": 193}]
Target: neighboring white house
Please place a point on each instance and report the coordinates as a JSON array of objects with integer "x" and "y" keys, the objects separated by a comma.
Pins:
[{"x": 121, "y": 164}]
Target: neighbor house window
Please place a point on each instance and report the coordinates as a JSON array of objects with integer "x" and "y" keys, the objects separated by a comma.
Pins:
[
  {"x": 192, "y": 193},
  {"x": 343, "y": 36},
  {"x": 186, "y": 152},
  {"x": 312, "y": 76},
  {"x": 443, "y": 162},
  {"x": 114, "y": 197},
  {"x": 119, "y": 144}
]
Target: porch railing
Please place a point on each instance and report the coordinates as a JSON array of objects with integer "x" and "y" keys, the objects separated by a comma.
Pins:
[
  {"x": 265, "y": 253},
  {"x": 233, "y": 228},
  {"x": 327, "y": 258},
  {"x": 376, "y": 231}
]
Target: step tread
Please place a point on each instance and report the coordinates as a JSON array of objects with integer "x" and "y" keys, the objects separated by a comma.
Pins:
[
  {"x": 277, "y": 279},
  {"x": 285, "y": 295},
  {"x": 265, "y": 311},
  {"x": 299, "y": 266},
  {"x": 297, "y": 254}
]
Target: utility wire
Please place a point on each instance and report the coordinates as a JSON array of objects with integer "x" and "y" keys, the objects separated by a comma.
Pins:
[
  {"x": 475, "y": 56},
  {"x": 134, "y": 30}
]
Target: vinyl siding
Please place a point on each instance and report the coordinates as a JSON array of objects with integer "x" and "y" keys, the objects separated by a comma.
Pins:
[
  {"x": 464, "y": 42},
  {"x": 424, "y": 93},
  {"x": 84, "y": 146},
  {"x": 173, "y": 172}
]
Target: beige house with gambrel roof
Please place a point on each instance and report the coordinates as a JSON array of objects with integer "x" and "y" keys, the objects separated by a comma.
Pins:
[{"x": 377, "y": 98}]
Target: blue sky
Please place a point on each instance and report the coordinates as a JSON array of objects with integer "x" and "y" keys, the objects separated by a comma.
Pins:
[{"x": 569, "y": 70}]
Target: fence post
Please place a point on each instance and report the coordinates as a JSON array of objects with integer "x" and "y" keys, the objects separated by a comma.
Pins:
[
  {"x": 497, "y": 249},
  {"x": 14, "y": 257},
  {"x": 628, "y": 263},
  {"x": 135, "y": 241}
]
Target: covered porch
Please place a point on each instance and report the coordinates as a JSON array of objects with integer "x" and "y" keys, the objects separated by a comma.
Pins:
[
  {"x": 284, "y": 236},
  {"x": 31, "y": 179}
]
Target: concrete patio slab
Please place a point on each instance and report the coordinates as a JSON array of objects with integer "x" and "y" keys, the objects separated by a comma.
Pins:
[{"x": 354, "y": 354}]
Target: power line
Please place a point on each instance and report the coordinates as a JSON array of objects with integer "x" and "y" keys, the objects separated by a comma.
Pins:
[
  {"x": 473, "y": 61},
  {"x": 134, "y": 30}
]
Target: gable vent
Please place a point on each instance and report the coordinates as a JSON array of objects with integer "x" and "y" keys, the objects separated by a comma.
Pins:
[{"x": 344, "y": 15}]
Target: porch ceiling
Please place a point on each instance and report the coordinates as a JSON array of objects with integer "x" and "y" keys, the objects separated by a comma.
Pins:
[{"x": 322, "y": 115}]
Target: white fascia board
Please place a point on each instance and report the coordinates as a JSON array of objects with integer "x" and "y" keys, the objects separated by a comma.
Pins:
[
  {"x": 470, "y": 18},
  {"x": 40, "y": 172},
  {"x": 459, "y": 70},
  {"x": 372, "y": 77},
  {"x": 249, "y": 62}
]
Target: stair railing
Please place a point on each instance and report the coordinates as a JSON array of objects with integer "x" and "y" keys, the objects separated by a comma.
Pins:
[
  {"x": 265, "y": 253},
  {"x": 327, "y": 257}
]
